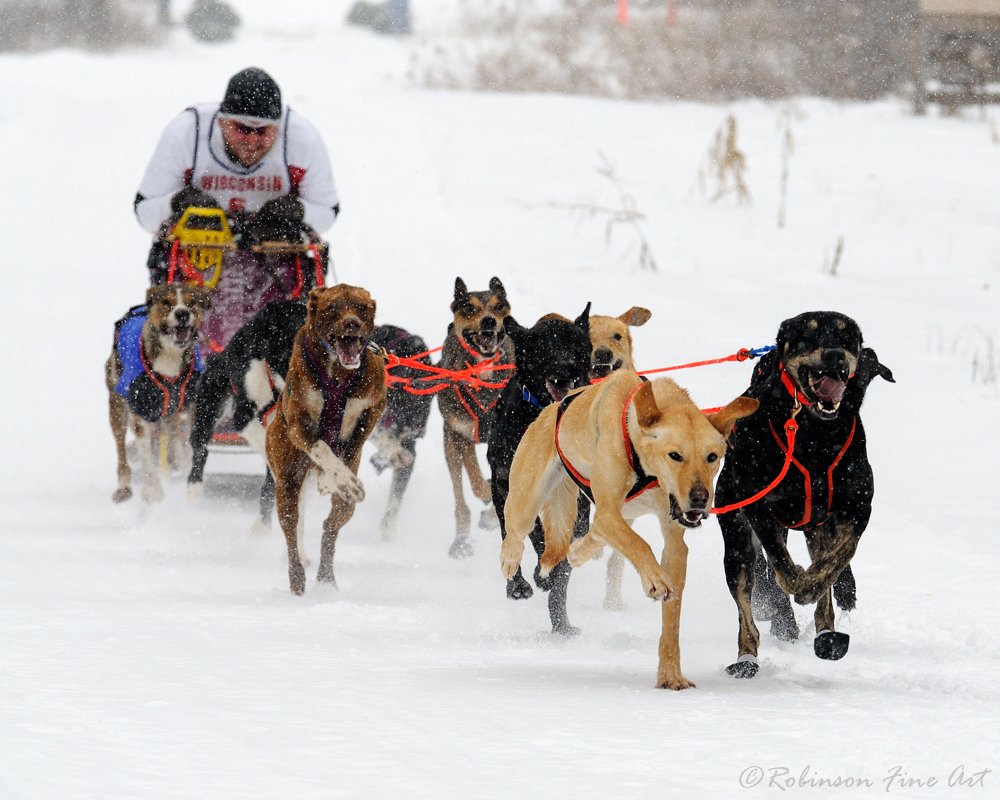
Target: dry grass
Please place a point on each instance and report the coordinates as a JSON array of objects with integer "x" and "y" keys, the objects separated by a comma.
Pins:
[
  {"x": 718, "y": 49},
  {"x": 32, "y": 25}
]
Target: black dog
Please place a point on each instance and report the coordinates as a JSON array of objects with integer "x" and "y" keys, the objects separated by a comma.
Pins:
[
  {"x": 552, "y": 359},
  {"x": 816, "y": 377},
  {"x": 252, "y": 370}
]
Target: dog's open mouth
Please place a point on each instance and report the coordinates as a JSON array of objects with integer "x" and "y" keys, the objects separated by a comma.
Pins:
[
  {"x": 485, "y": 342},
  {"x": 826, "y": 391},
  {"x": 349, "y": 350},
  {"x": 181, "y": 334},
  {"x": 558, "y": 389},
  {"x": 603, "y": 369},
  {"x": 689, "y": 519}
]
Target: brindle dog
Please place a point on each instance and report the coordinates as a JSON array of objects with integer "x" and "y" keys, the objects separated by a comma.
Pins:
[
  {"x": 475, "y": 335},
  {"x": 816, "y": 376}
]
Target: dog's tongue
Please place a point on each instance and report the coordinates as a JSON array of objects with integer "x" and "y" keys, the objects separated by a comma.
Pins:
[
  {"x": 486, "y": 341},
  {"x": 349, "y": 351},
  {"x": 829, "y": 389}
]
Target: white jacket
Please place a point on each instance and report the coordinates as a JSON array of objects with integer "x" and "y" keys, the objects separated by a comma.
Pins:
[{"x": 191, "y": 151}]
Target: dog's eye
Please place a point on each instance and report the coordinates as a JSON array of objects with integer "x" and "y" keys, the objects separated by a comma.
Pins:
[
  {"x": 712, "y": 458},
  {"x": 617, "y": 337},
  {"x": 675, "y": 455}
]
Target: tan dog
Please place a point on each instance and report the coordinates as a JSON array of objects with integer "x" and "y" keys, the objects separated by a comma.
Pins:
[
  {"x": 151, "y": 377},
  {"x": 611, "y": 350},
  {"x": 611, "y": 342},
  {"x": 334, "y": 394},
  {"x": 638, "y": 448}
]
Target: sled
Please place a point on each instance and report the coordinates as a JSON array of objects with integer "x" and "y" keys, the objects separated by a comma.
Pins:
[{"x": 202, "y": 250}]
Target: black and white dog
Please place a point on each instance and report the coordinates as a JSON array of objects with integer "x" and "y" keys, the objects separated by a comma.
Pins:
[{"x": 251, "y": 371}]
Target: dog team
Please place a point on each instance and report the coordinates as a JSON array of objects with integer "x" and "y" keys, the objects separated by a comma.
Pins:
[{"x": 578, "y": 444}]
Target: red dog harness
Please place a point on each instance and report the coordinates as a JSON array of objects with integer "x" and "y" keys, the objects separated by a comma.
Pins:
[
  {"x": 643, "y": 481},
  {"x": 791, "y": 427},
  {"x": 467, "y": 394}
]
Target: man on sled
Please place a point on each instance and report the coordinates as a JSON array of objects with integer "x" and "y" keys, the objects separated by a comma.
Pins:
[{"x": 235, "y": 193}]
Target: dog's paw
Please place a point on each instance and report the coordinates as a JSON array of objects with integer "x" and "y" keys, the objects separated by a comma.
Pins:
[
  {"x": 831, "y": 645},
  {"x": 790, "y": 582},
  {"x": 461, "y": 547},
  {"x": 122, "y": 494},
  {"x": 808, "y": 594},
  {"x": 510, "y": 556},
  {"x": 260, "y": 527},
  {"x": 488, "y": 519},
  {"x": 784, "y": 627},
  {"x": 656, "y": 585},
  {"x": 586, "y": 548},
  {"x": 152, "y": 492},
  {"x": 518, "y": 588},
  {"x": 339, "y": 481},
  {"x": 673, "y": 680},
  {"x": 389, "y": 531},
  {"x": 744, "y": 667},
  {"x": 614, "y": 602},
  {"x": 543, "y": 576},
  {"x": 296, "y": 578},
  {"x": 563, "y": 628},
  {"x": 195, "y": 491}
]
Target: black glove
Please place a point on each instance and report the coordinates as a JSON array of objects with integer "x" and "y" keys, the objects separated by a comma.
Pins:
[
  {"x": 191, "y": 196},
  {"x": 285, "y": 209},
  {"x": 279, "y": 220}
]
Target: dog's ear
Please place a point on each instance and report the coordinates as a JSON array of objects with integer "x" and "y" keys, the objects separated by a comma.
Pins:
[
  {"x": 787, "y": 330},
  {"x": 202, "y": 298},
  {"x": 636, "y": 316},
  {"x": 512, "y": 328},
  {"x": 460, "y": 291},
  {"x": 584, "y": 319},
  {"x": 646, "y": 412},
  {"x": 312, "y": 304},
  {"x": 724, "y": 419},
  {"x": 497, "y": 287},
  {"x": 151, "y": 295},
  {"x": 869, "y": 368}
]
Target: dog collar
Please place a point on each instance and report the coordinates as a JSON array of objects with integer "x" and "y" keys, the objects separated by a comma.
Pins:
[{"x": 529, "y": 397}]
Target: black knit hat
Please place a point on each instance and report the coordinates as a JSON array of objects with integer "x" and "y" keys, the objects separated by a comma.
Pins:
[{"x": 252, "y": 93}]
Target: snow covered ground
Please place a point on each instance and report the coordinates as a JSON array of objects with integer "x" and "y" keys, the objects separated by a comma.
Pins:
[{"x": 159, "y": 654}]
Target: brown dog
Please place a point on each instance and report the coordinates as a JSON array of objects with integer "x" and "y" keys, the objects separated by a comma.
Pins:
[
  {"x": 151, "y": 377},
  {"x": 636, "y": 448},
  {"x": 475, "y": 335},
  {"x": 334, "y": 394},
  {"x": 611, "y": 350}
]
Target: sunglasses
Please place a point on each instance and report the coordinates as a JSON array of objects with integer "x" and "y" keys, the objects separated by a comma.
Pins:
[{"x": 252, "y": 130}]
